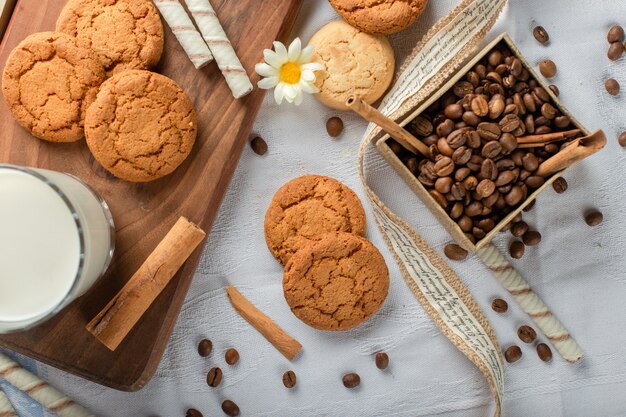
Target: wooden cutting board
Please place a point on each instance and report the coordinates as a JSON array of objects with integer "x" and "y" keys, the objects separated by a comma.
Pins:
[{"x": 143, "y": 213}]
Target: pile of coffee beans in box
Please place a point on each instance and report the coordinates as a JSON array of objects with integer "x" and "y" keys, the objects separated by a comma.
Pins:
[{"x": 478, "y": 173}]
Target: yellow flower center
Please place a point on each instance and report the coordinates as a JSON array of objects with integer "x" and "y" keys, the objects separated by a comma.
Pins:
[{"x": 290, "y": 73}]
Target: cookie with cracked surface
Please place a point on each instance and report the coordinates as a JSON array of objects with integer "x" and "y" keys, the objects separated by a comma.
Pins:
[
  {"x": 141, "y": 126},
  {"x": 48, "y": 82},
  {"x": 126, "y": 34},
  {"x": 336, "y": 283},
  {"x": 307, "y": 207},
  {"x": 354, "y": 63},
  {"x": 380, "y": 17}
]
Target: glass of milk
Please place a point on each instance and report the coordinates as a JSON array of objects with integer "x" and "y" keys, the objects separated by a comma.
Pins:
[{"x": 56, "y": 239}]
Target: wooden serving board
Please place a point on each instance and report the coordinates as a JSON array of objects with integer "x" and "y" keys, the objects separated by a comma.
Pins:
[{"x": 143, "y": 213}]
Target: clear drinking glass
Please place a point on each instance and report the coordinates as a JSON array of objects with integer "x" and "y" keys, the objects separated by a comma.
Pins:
[{"x": 57, "y": 238}]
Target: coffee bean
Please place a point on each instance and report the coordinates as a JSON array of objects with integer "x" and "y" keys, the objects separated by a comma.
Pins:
[
  {"x": 289, "y": 379},
  {"x": 462, "y": 155},
  {"x": 561, "y": 122},
  {"x": 512, "y": 354},
  {"x": 526, "y": 334},
  {"x": 462, "y": 88},
  {"x": 334, "y": 126},
  {"x": 456, "y": 139},
  {"x": 541, "y": 35},
  {"x": 478, "y": 233},
  {"x": 472, "y": 139},
  {"x": 455, "y": 252},
  {"x": 616, "y": 34},
  {"x": 594, "y": 218},
  {"x": 214, "y": 377},
  {"x": 394, "y": 146},
  {"x": 192, "y": 412},
  {"x": 443, "y": 185},
  {"x": 544, "y": 352},
  {"x": 547, "y": 68},
  {"x": 621, "y": 139},
  {"x": 444, "y": 167},
  {"x": 488, "y": 131},
  {"x": 485, "y": 188},
  {"x": 458, "y": 191},
  {"x": 439, "y": 198},
  {"x": 548, "y": 111},
  {"x": 492, "y": 199},
  {"x": 554, "y": 89},
  {"x": 519, "y": 228},
  {"x": 462, "y": 173},
  {"x": 470, "y": 118},
  {"x": 491, "y": 149},
  {"x": 456, "y": 211},
  {"x": 514, "y": 196},
  {"x": 505, "y": 164},
  {"x": 495, "y": 58},
  {"x": 258, "y": 145},
  {"x": 230, "y": 408},
  {"x": 531, "y": 238},
  {"x": 231, "y": 356},
  {"x": 534, "y": 181},
  {"x": 422, "y": 126},
  {"x": 488, "y": 170},
  {"x": 445, "y": 128},
  {"x": 616, "y": 49},
  {"x": 204, "y": 347},
  {"x": 382, "y": 360},
  {"x": 517, "y": 249},
  {"x": 560, "y": 185},
  {"x": 470, "y": 183},
  {"x": 444, "y": 148},
  {"x": 480, "y": 106},
  {"x": 487, "y": 224},
  {"x": 465, "y": 223},
  {"x": 516, "y": 67},
  {"x": 530, "y": 162},
  {"x": 612, "y": 86},
  {"x": 351, "y": 380},
  {"x": 499, "y": 305},
  {"x": 529, "y": 206}
]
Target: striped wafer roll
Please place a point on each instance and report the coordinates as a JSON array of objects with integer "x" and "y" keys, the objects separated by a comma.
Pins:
[
  {"x": 39, "y": 390},
  {"x": 225, "y": 56},
  {"x": 531, "y": 303},
  {"x": 184, "y": 30},
  {"x": 6, "y": 409}
]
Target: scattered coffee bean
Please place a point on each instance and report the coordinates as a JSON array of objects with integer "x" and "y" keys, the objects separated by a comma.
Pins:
[
  {"x": 621, "y": 139},
  {"x": 616, "y": 34},
  {"x": 526, "y": 334},
  {"x": 531, "y": 238},
  {"x": 517, "y": 249},
  {"x": 205, "y": 347},
  {"x": 258, "y": 145},
  {"x": 499, "y": 305},
  {"x": 519, "y": 228},
  {"x": 554, "y": 89},
  {"x": 289, "y": 379},
  {"x": 382, "y": 360},
  {"x": 455, "y": 252},
  {"x": 214, "y": 377},
  {"x": 547, "y": 68},
  {"x": 230, "y": 408},
  {"x": 612, "y": 86},
  {"x": 594, "y": 218},
  {"x": 530, "y": 205},
  {"x": 334, "y": 126},
  {"x": 560, "y": 185},
  {"x": 541, "y": 35},
  {"x": 351, "y": 380},
  {"x": 544, "y": 352},
  {"x": 512, "y": 354},
  {"x": 616, "y": 49},
  {"x": 231, "y": 356},
  {"x": 192, "y": 412}
]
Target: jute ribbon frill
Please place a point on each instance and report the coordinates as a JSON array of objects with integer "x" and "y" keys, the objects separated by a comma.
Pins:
[{"x": 442, "y": 294}]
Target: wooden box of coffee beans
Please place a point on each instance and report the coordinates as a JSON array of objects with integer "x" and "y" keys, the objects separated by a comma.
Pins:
[{"x": 477, "y": 126}]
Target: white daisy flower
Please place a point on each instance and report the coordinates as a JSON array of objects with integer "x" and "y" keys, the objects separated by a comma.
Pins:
[{"x": 289, "y": 71}]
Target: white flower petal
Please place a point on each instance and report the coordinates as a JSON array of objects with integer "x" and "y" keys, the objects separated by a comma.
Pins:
[
  {"x": 298, "y": 100},
  {"x": 265, "y": 70},
  {"x": 294, "y": 50},
  {"x": 308, "y": 75},
  {"x": 279, "y": 93},
  {"x": 312, "y": 66},
  {"x": 281, "y": 52},
  {"x": 308, "y": 87},
  {"x": 306, "y": 54},
  {"x": 291, "y": 91},
  {"x": 272, "y": 58},
  {"x": 267, "y": 83}
]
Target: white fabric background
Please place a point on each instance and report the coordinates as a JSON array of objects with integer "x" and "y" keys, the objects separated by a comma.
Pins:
[{"x": 579, "y": 271}]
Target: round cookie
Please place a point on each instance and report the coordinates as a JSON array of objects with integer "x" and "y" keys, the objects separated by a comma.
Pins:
[
  {"x": 141, "y": 126},
  {"x": 306, "y": 208},
  {"x": 354, "y": 63},
  {"x": 380, "y": 17},
  {"x": 48, "y": 82},
  {"x": 337, "y": 282},
  {"x": 126, "y": 34}
]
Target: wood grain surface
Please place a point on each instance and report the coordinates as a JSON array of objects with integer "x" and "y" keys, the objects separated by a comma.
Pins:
[{"x": 143, "y": 213}]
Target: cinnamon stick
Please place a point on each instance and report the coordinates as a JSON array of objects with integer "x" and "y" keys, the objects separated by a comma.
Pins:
[
  {"x": 116, "y": 320},
  {"x": 573, "y": 152},
  {"x": 542, "y": 140},
  {"x": 285, "y": 344}
]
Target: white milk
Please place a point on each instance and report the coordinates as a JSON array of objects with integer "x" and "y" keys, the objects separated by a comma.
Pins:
[{"x": 54, "y": 243}]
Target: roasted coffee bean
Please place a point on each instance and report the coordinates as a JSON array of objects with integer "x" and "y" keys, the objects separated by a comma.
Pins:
[
  {"x": 490, "y": 201},
  {"x": 481, "y": 70},
  {"x": 554, "y": 89},
  {"x": 526, "y": 334},
  {"x": 473, "y": 78},
  {"x": 473, "y": 209},
  {"x": 529, "y": 206},
  {"x": 496, "y": 106},
  {"x": 495, "y": 58},
  {"x": 475, "y": 163},
  {"x": 548, "y": 111},
  {"x": 444, "y": 166},
  {"x": 515, "y": 196},
  {"x": 478, "y": 233},
  {"x": 491, "y": 149},
  {"x": 594, "y": 218},
  {"x": 230, "y": 408},
  {"x": 495, "y": 78},
  {"x": 422, "y": 126},
  {"x": 509, "y": 123},
  {"x": 448, "y": 98},
  {"x": 487, "y": 225},
  {"x": 561, "y": 122},
  {"x": 439, "y": 198},
  {"x": 530, "y": 162},
  {"x": 453, "y": 111},
  {"x": 529, "y": 103},
  {"x": 192, "y": 412},
  {"x": 462, "y": 155},
  {"x": 289, "y": 379},
  {"x": 504, "y": 178},
  {"x": 552, "y": 148},
  {"x": 456, "y": 211},
  {"x": 516, "y": 67},
  {"x": 458, "y": 191},
  {"x": 612, "y": 86},
  {"x": 259, "y": 146},
  {"x": 425, "y": 180},
  {"x": 470, "y": 118},
  {"x": 621, "y": 139},
  {"x": 534, "y": 181},
  {"x": 488, "y": 131},
  {"x": 462, "y": 88},
  {"x": 511, "y": 108},
  {"x": 382, "y": 360},
  {"x": 485, "y": 188},
  {"x": 499, "y": 305},
  {"x": 488, "y": 170},
  {"x": 470, "y": 183},
  {"x": 455, "y": 252},
  {"x": 334, "y": 126},
  {"x": 444, "y": 148},
  {"x": 456, "y": 139},
  {"x": 231, "y": 356},
  {"x": 445, "y": 128},
  {"x": 465, "y": 223},
  {"x": 430, "y": 140},
  {"x": 480, "y": 106},
  {"x": 512, "y": 354},
  {"x": 443, "y": 184},
  {"x": 519, "y": 102},
  {"x": 505, "y": 188},
  {"x": 394, "y": 146},
  {"x": 547, "y": 68},
  {"x": 351, "y": 380},
  {"x": 505, "y": 164},
  {"x": 616, "y": 34},
  {"x": 472, "y": 139},
  {"x": 214, "y": 377},
  {"x": 204, "y": 347},
  {"x": 519, "y": 228},
  {"x": 462, "y": 173},
  {"x": 542, "y": 130},
  {"x": 544, "y": 352},
  {"x": 531, "y": 238},
  {"x": 412, "y": 165},
  {"x": 516, "y": 249},
  {"x": 529, "y": 123},
  {"x": 541, "y": 35},
  {"x": 616, "y": 49}
]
